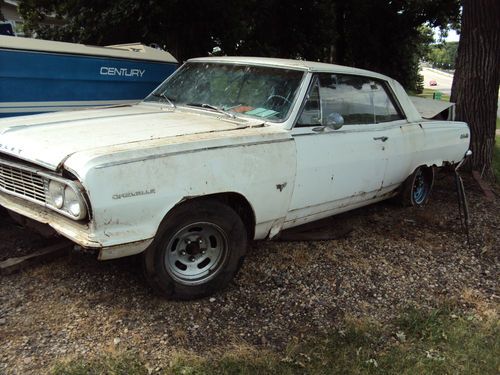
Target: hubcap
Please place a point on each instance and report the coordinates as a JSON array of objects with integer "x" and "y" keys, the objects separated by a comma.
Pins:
[
  {"x": 196, "y": 253},
  {"x": 419, "y": 187}
]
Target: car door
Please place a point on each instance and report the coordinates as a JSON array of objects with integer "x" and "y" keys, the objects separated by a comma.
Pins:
[
  {"x": 405, "y": 145},
  {"x": 339, "y": 169},
  {"x": 403, "y": 140}
]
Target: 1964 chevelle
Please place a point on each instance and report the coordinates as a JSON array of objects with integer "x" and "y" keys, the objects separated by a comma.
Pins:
[{"x": 225, "y": 151}]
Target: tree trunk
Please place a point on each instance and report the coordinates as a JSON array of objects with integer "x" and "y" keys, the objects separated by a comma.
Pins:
[{"x": 477, "y": 78}]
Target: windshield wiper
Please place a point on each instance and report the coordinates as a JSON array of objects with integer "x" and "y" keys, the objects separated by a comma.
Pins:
[
  {"x": 163, "y": 96},
  {"x": 210, "y": 106}
]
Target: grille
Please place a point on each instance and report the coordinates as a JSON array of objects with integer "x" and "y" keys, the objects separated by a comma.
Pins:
[{"x": 22, "y": 183}]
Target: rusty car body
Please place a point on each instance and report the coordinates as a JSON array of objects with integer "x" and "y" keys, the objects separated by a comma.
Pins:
[{"x": 226, "y": 150}]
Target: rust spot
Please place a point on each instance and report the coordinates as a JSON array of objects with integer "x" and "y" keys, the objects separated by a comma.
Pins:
[{"x": 280, "y": 187}]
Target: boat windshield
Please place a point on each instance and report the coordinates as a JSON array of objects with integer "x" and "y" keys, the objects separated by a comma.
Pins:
[{"x": 234, "y": 89}]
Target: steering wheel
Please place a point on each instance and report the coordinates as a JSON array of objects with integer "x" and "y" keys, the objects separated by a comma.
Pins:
[{"x": 271, "y": 97}]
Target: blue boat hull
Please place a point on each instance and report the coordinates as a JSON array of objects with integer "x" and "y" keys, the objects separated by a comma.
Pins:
[{"x": 36, "y": 82}]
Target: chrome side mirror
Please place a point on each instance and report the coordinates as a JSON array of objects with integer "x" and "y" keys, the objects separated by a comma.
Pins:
[{"x": 333, "y": 121}]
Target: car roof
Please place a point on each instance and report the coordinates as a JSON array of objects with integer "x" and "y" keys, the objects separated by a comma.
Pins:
[{"x": 310, "y": 66}]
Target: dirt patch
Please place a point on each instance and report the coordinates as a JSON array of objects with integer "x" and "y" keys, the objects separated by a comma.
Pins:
[
  {"x": 285, "y": 291},
  {"x": 16, "y": 241}
]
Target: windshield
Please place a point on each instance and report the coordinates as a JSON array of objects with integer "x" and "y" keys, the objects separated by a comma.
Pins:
[{"x": 256, "y": 91}]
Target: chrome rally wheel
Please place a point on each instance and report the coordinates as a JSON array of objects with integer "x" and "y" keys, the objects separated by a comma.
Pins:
[
  {"x": 198, "y": 249},
  {"x": 416, "y": 189},
  {"x": 196, "y": 253},
  {"x": 421, "y": 187}
]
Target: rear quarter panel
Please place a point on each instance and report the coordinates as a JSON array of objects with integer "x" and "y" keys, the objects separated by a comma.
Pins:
[{"x": 445, "y": 142}]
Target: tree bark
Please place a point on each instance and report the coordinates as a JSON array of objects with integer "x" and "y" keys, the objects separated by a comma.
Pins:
[{"x": 477, "y": 78}]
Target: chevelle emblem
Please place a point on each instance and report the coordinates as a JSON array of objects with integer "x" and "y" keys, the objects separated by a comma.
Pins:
[
  {"x": 134, "y": 194},
  {"x": 462, "y": 136}
]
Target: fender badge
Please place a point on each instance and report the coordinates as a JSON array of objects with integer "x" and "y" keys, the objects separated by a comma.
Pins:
[{"x": 134, "y": 194}]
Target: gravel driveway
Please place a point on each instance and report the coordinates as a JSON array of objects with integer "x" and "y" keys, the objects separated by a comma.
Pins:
[{"x": 285, "y": 291}]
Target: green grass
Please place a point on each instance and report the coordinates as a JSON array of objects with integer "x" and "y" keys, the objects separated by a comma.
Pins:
[
  {"x": 438, "y": 342},
  {"x": 123, "y": 364},
  {"x": 496, "y": 157},
  {"x": 428, "y": 93}
]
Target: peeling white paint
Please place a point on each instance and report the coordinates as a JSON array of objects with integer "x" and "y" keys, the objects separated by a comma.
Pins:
[{"x": 137, "y": 162}]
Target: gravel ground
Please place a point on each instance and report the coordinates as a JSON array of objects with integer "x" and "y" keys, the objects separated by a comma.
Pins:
[{"x": 76, "y": 306}]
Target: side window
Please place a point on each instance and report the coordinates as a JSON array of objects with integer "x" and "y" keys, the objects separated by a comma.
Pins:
[
  {"x": 311, "y": 113},
  {"x": 359, "y": 100}
]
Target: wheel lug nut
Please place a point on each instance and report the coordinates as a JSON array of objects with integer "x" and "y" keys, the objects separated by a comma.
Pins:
[
  {"x": 203, "y": 251},
  {"x": 183, "y": 252},
  {"x": 200, "y": 241},
  {"x": 188, "y": 242},
  {"x": 191, "y": 259}
]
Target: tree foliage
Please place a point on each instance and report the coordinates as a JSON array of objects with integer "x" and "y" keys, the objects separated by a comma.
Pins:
[
  {"x": 381, "y": 35},
  {"x": 443, "y": 55}
]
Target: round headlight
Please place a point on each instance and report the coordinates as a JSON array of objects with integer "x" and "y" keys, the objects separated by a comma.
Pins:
[
  {"x": 56, "y": 193},
  {"x": 72, "y": 202}
]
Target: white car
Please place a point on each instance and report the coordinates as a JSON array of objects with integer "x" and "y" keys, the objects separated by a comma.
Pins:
[{"x": 225, "y": 151}]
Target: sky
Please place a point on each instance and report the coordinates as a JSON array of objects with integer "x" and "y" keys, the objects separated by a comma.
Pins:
[{"x": 452, "y": 35}]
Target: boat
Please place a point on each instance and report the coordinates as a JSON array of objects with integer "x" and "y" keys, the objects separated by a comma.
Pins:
[{"x": 39, "y": 76}]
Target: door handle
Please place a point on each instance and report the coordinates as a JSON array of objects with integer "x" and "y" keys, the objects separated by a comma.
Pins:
[{"x": 383, "y": 139}]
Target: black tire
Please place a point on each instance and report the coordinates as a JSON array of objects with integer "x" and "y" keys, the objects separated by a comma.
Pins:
[
  {"x": 417, "y": 188},
  {"x": 215, "y": 260}
]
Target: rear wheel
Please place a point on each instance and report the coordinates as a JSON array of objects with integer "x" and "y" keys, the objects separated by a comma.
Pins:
[
  {"x": 198, "y": 249},
  {"x": 417, "y": 188}
]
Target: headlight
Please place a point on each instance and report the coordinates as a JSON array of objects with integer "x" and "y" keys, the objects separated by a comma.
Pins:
[
  {"x": 73, "y": 203},
  {"x": 56, "y": 193},
  {"x": 66, "y": 198}
]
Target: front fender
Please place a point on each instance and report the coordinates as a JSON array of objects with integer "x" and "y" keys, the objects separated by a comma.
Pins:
[{"x": 130, "y": 199}]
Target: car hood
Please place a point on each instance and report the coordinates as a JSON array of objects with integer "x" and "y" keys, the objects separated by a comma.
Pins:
[{"x": 49, "y": 139}]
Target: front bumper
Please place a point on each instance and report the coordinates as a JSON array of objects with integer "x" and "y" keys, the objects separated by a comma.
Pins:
[{"x": 78, "y": 232}]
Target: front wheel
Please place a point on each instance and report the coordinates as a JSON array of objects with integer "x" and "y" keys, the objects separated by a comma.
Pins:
[
  {"x": 198, "y": 249},
  {"x": 416, "y": 189}
]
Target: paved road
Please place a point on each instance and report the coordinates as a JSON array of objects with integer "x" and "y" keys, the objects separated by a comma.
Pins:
[{"x": 444, "y": 82}]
